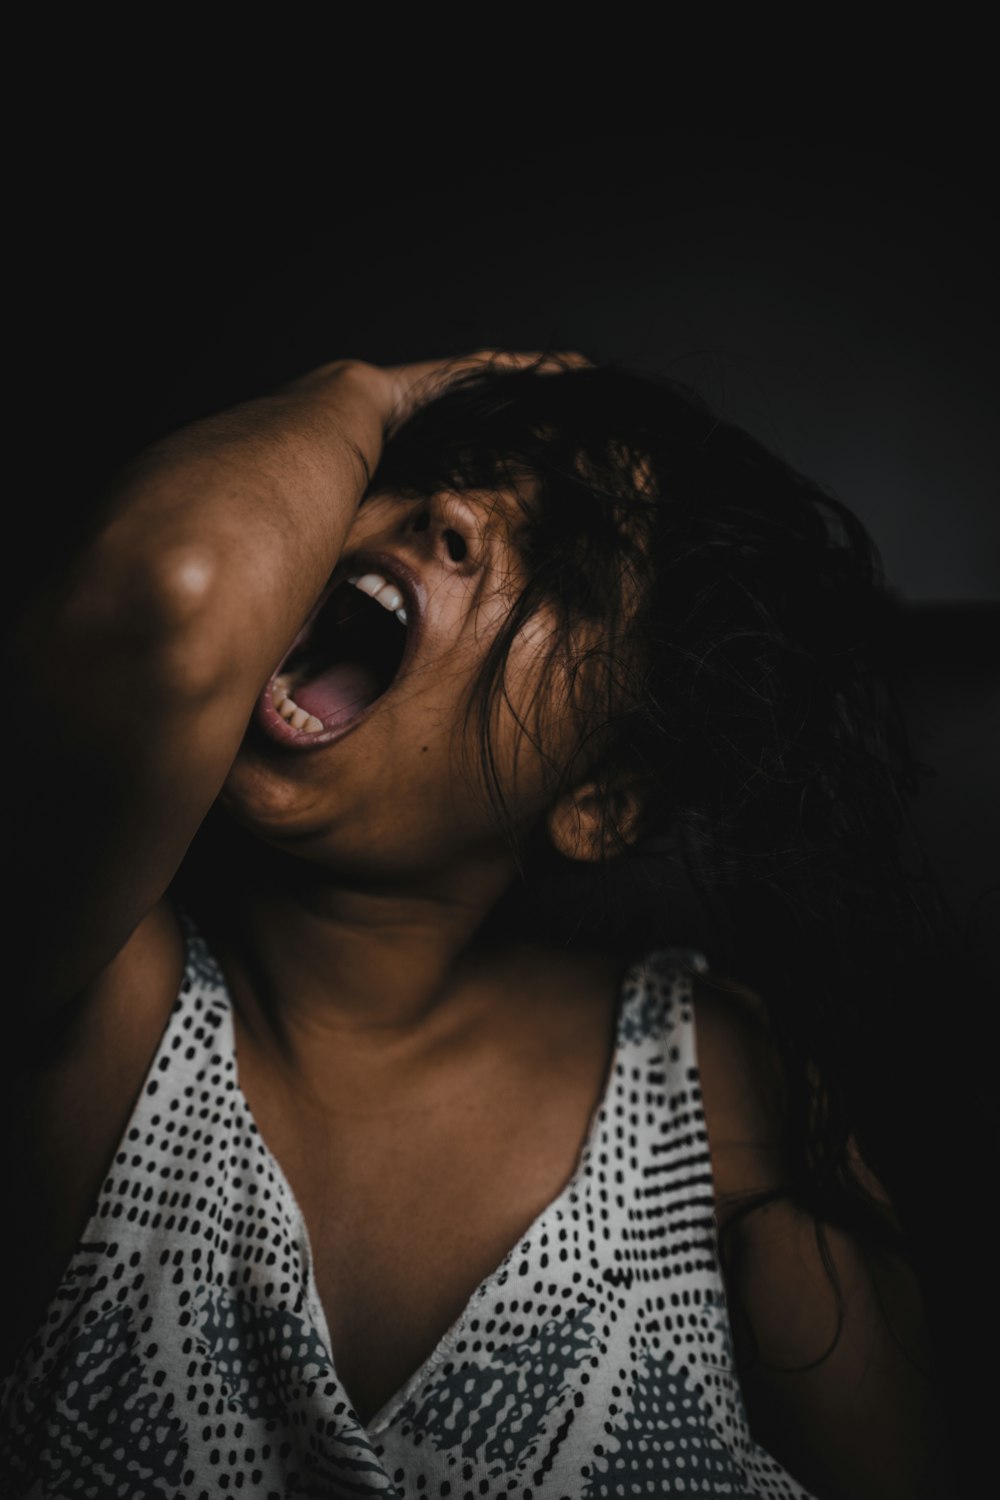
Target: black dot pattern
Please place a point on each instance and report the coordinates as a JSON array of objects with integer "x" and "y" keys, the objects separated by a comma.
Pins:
[{"x": 186, "y": 1354}]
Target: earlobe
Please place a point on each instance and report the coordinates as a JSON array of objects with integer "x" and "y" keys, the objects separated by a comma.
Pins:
[{"x": 575, "y": 822}]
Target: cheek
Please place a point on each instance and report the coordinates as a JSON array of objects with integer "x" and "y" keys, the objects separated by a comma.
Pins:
[
  {"x": 542, "y": 722},
  {"x": 562, "y": 674},
  {"x": 570, "y": 679}
]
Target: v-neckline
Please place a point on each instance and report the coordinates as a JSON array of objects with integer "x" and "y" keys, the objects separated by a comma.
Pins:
[{"x": 383, "y": 1417}]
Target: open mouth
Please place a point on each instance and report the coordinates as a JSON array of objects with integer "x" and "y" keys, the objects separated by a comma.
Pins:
[{"x": 343, "y": 660}]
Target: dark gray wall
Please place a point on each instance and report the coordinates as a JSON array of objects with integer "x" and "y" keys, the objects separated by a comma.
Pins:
[{"x": 837, "y": 297}]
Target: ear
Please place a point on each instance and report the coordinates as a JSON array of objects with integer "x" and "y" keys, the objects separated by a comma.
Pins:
[{"x": 574, "y": 823}]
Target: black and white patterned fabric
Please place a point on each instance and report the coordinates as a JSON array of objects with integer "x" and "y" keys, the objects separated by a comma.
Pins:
[{"x": 185, "y": 1353}]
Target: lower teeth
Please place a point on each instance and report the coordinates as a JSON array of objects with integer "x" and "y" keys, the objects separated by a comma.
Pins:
[{"x": 299, "y": 718}]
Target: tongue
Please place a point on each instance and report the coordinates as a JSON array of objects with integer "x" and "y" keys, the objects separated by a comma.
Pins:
[{"x": 338, "y": 692}]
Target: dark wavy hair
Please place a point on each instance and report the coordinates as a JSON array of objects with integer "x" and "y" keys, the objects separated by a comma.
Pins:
[{"x": 743, "y": 671}]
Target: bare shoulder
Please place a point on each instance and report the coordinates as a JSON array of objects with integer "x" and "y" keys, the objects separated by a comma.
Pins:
[
  {"x": 742, "y": 1089},
  {"x": 837, "y": 1379},
  {"x": 122, "y": 1006},
  {"x": 67, "y": 1102},
  {"x": 73, "y": 1084}
]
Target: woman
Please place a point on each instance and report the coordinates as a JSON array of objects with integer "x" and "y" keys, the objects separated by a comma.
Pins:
[{"x": 341, "y": 673}]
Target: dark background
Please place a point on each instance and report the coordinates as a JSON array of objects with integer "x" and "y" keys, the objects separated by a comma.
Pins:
[
  {"x": 835, "y": 295},
  {"x": 833, "y": 292}
]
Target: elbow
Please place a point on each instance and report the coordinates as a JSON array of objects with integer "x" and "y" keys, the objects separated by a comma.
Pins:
[
  {"x": 187, "y": 630},
  {"x": 177, "y": 603},
  {"x": 183, "y": 584},
  {"x": 148, "y": 615},
  {"x": 180, "y": 604},
  {"x": 111, "y": 587}
]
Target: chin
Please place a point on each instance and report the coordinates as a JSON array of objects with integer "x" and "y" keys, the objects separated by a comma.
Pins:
[{"x": 269, "y": 805}]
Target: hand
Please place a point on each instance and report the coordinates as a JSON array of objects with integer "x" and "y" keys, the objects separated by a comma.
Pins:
[
  {"x": 396, "y": 391},
  {"x": 413, "y": 385}
]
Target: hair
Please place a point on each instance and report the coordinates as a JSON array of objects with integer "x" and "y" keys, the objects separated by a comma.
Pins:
[{"x": 743, "y": 663}]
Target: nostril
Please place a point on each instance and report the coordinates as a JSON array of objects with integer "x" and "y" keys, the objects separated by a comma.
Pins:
[
  {"x": 456, "y": 545},
  {"x": 422, "y": 522}
]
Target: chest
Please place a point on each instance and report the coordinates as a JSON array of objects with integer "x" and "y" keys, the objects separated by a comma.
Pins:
[
  {"x": 408, "y": 1215},
  {"x": 395, "y": 1271}
]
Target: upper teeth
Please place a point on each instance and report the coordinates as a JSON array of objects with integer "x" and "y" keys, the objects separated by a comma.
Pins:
[{"x": 386, "y": 593}]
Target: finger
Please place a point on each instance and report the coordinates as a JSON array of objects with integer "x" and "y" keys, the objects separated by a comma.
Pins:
[
  {"x": 547, "y": 361},
  {"x": 574, "y": 357}
]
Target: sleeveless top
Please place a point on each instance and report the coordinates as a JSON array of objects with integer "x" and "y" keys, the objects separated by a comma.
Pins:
[{"x": 185, "y": 1353}]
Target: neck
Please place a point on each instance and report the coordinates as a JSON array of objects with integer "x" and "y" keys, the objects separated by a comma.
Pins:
[{"x": 322, "y": 967}]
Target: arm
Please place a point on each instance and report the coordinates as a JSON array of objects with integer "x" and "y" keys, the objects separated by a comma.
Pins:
[
  {"x": 240, "y": 519},
  {"x": 865, "y": 1422},
  {"x": 135, "y": 671}
]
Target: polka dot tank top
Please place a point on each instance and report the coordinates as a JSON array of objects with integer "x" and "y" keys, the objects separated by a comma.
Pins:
[{"x": 186, "y": 1354}]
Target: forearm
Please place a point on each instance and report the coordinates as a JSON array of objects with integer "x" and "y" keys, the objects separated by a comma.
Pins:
[{"x": 233, "y": 526}]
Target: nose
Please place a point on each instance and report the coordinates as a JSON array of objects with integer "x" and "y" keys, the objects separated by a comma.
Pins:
[
  {"x": 448, "y": 531},
  {"x": 434, "y": 526}
]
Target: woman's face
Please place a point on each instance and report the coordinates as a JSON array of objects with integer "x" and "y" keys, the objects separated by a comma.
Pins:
[{"x": 401, "y": 792}]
